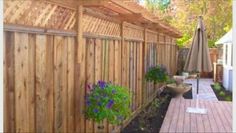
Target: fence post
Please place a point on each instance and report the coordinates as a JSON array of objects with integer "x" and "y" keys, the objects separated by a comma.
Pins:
[
  {"x": 144, "y": 86},
  {"x": 80, "y": 78}
]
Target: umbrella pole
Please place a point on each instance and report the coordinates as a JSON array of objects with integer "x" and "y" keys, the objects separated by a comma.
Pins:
[
  {"x": 196, "y": 109},
  {"x": 198, "y": 77}
]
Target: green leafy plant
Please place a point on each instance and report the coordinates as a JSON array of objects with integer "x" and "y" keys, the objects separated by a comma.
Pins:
[
  {"x": 228, "y": 98},
  {"x": 157, "y": 74},
  {"x": 222, "y": 93},
  {"x": 107, "y": 101},
  {"x": 217, "y": 86},
  {"x": 181, "y": 42}
]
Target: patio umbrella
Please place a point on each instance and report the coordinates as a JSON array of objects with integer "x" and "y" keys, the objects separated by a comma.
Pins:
[{"x": 198, "y": 59}]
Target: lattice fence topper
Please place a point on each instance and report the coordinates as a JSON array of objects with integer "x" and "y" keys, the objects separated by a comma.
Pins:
[
  {"x": 132, "y": 32},
  {"x": 152, "y": 37},
  {"x": 39, "y": 14},
  {"x": 100, "y": 26}
]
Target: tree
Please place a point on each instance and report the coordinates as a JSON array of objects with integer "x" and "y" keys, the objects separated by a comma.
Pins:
[
  {"x": 157, "y": 5},
  {"x": 183, "y": 14}
]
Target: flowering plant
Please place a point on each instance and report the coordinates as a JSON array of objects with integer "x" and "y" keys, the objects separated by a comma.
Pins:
[
  {"x": 107, "y": 101},
  {"x": 157, "y": 74}
]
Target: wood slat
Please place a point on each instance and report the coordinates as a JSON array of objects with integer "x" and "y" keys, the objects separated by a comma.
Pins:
[
  {"x": 180, "y": 122},
  {"x": 71, "y": 83},
  {"x": 60, "y": 84},
  {"x": 226, "y": 113},
  {"x": 118, "y": 65},
  {"x": 23, "y": 97},
  {"x": 98, "y": 71},
  {"x": 90, "y": 70},
  {"x": 200, "y": 124},
  {"x": 216, "y": 117},
  {"x": 211, "y": 118},
  {"x": 206, "y": 122},
  {"x": 111, "y": 70},
  {"x": 221, "y": 114},
  {"x": 193, "y": 118},
  {"x": 9, "y": 82},
  {"x": 80, "y": 127},
  {"x": 44, "y": 83},
  {"x": 187, "y": 122},
  {"x": 175, "y": 116},
  {"x": 168, "y": 118}
]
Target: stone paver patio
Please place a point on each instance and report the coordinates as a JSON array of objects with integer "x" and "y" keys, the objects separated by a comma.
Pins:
[{"x": 205, "y": 90}]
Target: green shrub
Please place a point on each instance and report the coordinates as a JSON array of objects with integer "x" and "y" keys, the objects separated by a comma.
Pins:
[
  {"x": 107, "y": 101},
  {"x": 217, "y": 86},
  {"x": 228, "y": 98},
  {"x": 157, "y": 74},
  {"x": 222, "y": 93}
]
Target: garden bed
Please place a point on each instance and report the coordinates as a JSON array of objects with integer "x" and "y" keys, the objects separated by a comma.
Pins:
[
  {"x": 221, "y": 93},
  {"x": 150, "y": 120}
]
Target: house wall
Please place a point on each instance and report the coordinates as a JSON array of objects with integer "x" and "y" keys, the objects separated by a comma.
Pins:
[{"x": 227, "y": 66}]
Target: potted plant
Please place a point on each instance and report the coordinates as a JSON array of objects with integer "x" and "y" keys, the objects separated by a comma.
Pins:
[
  {"x": 157, "y": 74},
  {"x": 107, "y": 101}
]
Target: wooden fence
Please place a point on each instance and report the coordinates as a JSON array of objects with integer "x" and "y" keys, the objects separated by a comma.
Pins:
[{"x": 46, "y": 71}]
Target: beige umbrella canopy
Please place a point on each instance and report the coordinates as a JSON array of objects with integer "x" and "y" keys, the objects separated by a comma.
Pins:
[{"x": 198, "y": 59}]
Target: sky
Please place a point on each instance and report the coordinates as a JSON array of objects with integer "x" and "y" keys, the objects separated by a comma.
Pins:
[{"x": 141, "y": 2}]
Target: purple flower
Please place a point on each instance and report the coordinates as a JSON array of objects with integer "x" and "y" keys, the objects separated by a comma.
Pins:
[
  {"x": 88, "y": 103},
  {"x": 95, "y": 110},
  {"x": 102, "y": 84},
  {"x": 113, "y": 91},
  {"x": 110, "y": 104}
]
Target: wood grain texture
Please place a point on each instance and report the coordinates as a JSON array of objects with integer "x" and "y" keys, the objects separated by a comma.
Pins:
[
  {"x": 80, "y": 127},
  {"x": 44, "y": 83},
  {"x": 118, "y": 61},
  {"x": 60, "y": 84},
  {"x": 90, "y": 70},
  {"x": 22, "y": 90},
  {"x": 71, "y": 83},
  {"x": 9, "y": 82},
  {"x": 45, "y": 76},
  {"x": 111, "y": 70},
  {"x": 178, "y": 120}
]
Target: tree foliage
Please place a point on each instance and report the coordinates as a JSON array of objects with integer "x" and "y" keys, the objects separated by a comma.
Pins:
[
  {"x": 157, "y": 5},
  {"x": 183, "y": 14}
]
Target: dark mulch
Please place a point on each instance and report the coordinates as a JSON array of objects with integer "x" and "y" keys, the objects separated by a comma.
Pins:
[
  {"x": 228, "y": 94},
  {"x": 150, "y": 120}
]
